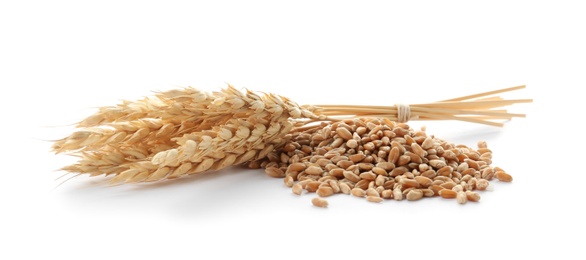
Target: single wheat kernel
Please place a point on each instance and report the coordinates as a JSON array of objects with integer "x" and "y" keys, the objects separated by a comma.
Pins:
[
  {"x": 372, "y": 192},
  {"x": 423, "y": 181},
  {"x": 461, "y": 197},
  {"x": 365, "y": 166},
  {"x": 488, "y": 173},
  {"x": 403, "y": 160},
  {"x": 482, "y": 184},
  {"x": 344, "y": 133},
  {"x": 408, "y": 183},
  {"x": 325, "y": 179},
  {"x": 462, "y": 167},
  {"x": 436, "y": 163},
  {"x": 482, "y": 144},
  {"x": 358, "y": 192},
  {"x": 458, "y": 188},
  {"x": 344, "y": 188},
  {"x": 389, "y": 184},
  {"x": 427, "y": 143},
  {"x": 472, "y": 196},
  {"x": 297, "y": 188},
  {"x": 319, "y": 202},
  {"x": 352, "y": 143},
  {"x": 275, "y": 172},
  {"x": 387, "y": 194},
  {"x": 466, "y": 178},
  {"x": 369, "y": 146},
  {"x": 387, "y": 166},
  {"x": 398, "y": 171},
  {"x": 314, "y": 170},
  {"x": 380, "y": 171},
  {"x": 304, "y": 183},
  {"x": 371, "y": 184},
  {"x": 442, "y": 178},
  {"x": 322, "y": 162},
  {"x": 325, "y": 191},
  {"x": 363, "y": 184},
  {"x": 503, "y": 176},
  {"x": 312, "y": 186},
  {"x": 356, "y": 158},
  {"x": 289, "y": 181},
  {"x": 334, "y": 184},
  {"x": 437, "y": 182},
  {"x": 407, "y": 190},
  {"x": 473, "y": 164},
  {"x": 394, "y": 154},
  {"x": 448, "y": 194},
  {"x": 368, "y": 176},
  {"x": 417, "y": 149},
  {"x": 429, "y": 174},
  {"x": 445, "y": 171},
  {"x": 351, "y": 176},
  {"x": 344, "y": 164},
  {"x": 374, "y": 199},
  {"x": 415, "y": 194},
  {"x": 428, "y": 192},
  {"x": 337, "y": 142},
  {"x": 397, "y": 194},
  {"x": 448, "y": 185},
  {"x": 380, "y": 181},
  {"x": 436, "y": 189}
]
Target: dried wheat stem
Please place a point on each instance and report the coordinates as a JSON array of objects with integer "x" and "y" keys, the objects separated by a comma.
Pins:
[{"x": 477, "y": 108}]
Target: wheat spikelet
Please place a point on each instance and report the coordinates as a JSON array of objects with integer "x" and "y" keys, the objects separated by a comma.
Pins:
[{"x": 180, "y": 103}]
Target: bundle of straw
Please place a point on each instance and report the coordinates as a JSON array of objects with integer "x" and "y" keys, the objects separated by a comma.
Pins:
[
  {"x": 478, "y": 108},
  {"x": 188, "y": 131}
]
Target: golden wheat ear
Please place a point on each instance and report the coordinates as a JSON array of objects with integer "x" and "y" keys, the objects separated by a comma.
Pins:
[{"x": 183, "y": 137}]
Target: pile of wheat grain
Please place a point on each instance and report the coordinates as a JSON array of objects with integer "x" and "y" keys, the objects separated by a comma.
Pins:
[{"x": 379, "y": 159}]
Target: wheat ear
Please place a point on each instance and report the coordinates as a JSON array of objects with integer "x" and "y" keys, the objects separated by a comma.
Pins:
[{"x": 232, "y": 127}]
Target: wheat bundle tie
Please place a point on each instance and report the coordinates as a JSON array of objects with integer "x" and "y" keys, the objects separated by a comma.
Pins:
[
  {"x": 403, "y": 113},
  {"x": 187, "y": 131}
]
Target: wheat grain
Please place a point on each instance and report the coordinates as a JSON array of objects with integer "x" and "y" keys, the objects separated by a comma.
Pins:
[
  {"x": 461, "y": 197},
  {"x": 297, "y": 188},
  {"x": 364, "y": 171},
  {"x": 319, "y": 202},
  {"x": 376, "y": 199},
  {"x": 422, "y": 170},
  {"x": 472, "y": 196},
  {"x": 325, "y": 191},
  {"x": 503, "y": 176},
  {"x": 415, "y": 194}
]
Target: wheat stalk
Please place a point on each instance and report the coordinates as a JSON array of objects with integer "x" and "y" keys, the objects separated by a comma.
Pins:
[
  {"x": 188, "y": 131},
  {"x": 478, "y": 108}
]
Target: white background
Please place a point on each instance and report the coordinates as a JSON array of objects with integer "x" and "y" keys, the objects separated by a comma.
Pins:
[{"x": 61, "y": 59}]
